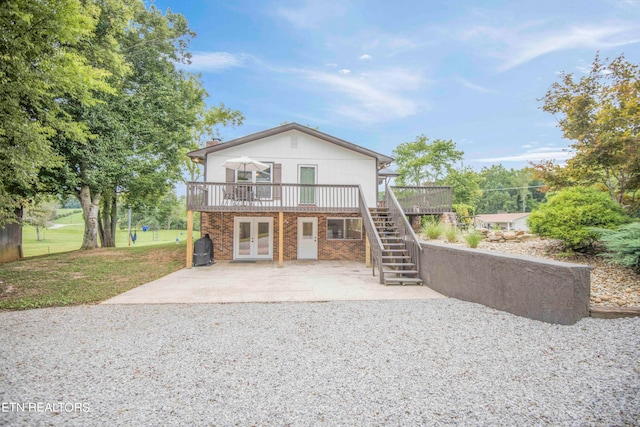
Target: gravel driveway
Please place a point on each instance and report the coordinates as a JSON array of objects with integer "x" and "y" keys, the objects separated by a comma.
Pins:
[{"x": 425, "y": 362}]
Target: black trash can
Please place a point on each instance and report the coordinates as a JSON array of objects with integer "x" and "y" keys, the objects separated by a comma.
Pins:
[{"x": 203, "y": 251}]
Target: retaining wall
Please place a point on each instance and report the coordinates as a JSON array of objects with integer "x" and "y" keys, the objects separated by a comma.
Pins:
[{"x": 550, "y": 291}]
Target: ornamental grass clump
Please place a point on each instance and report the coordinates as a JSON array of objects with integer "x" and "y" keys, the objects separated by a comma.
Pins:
[
  {"x": 432, "y": 228},
  {"x": 473, "y": 239},
  {"x": 451, "y": 233}
]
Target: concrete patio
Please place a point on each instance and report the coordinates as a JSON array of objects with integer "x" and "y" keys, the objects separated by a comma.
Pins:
[{"x": 263, "y": 281}]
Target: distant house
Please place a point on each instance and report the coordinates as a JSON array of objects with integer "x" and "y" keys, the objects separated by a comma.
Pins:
[{"x": 505, "y": 221}]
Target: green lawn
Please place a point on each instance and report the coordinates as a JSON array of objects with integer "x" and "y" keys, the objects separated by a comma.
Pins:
[
  {"x": 67, "y": 234},
  {"x": 84, "y": 277}
]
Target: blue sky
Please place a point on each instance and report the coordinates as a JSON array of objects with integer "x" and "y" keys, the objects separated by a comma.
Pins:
[{"x": 379, "y": 73}]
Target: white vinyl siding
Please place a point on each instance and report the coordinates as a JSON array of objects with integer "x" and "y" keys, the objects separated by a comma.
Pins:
[{"x": 334, "y": 164}]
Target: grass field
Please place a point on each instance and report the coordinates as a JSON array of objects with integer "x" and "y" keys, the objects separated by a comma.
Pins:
[
  {"x": 84, "y": 277},
  {"x": 66, "y": 235}
]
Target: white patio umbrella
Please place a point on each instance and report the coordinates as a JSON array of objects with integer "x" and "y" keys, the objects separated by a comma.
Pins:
[{"x": 245, "y": 163}]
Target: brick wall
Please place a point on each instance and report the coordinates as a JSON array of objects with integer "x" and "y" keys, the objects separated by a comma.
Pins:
[{"x": 219, "y": 226}]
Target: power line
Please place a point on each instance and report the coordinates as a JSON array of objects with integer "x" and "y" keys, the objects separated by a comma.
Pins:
[{"x": 511, "y": 188}]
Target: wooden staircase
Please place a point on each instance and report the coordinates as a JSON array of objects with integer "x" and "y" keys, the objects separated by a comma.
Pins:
[{"x": 397, "y": 267}]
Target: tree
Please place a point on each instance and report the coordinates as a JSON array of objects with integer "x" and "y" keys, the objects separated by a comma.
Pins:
[
  {"x": 42, "y": 64},
  {"x": 465, "y": 184},
  {"x": 600, "y": 114},
  {"x": 142, "y": 130},
  {"x": 420, "y": 162},
  {"x": 207, "y": 127},
  {"x": 512, "y": 190},
  {"x": 498, "y": 192},
  {"x": 39, "y": 215}
]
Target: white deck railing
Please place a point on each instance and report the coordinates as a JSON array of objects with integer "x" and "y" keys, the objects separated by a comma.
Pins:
[{"x": 269, "y": 197}]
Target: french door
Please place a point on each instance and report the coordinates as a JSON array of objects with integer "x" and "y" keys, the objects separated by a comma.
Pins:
[{"x": 253, "y": 238}]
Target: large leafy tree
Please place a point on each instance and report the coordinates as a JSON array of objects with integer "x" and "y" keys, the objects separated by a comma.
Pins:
[
  {"x": 41, "y": 66},
  {"x": 600, "y": 114},
  {"x": 141, "y": 130},
  {"x": 423, "y": 161},
  {"x": 465, "y": 184}
]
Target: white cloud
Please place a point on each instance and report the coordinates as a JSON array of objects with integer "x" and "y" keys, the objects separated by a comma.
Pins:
[
  {"x": 312, "y": 14},
  {"x": 331, "y": 64},
  {"x": 535, "y": 155},
  {"x": 344, "y": 71},
  {"x": 473, "y": 86},
  {"x": 391, "y": 43},
  {"x": 516, "y": 46},
  {"x": 375, "y": 97},
  {"x": 365, "y": 57},
  {"x": 215, "y": 61}
]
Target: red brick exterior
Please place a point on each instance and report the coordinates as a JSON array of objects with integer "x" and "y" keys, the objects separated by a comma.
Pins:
[{"x": 219, "y": 226}]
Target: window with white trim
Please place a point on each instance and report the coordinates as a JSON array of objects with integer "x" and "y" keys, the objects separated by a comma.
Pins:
[{"x": 344, "y": 228}]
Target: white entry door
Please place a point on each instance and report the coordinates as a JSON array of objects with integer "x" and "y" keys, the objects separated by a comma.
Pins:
[
  {"x": 307, "y": 238},
  {"x": 253, "y": 238}
]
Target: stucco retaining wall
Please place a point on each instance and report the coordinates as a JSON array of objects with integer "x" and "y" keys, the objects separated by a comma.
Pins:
[{"x": 550, "y": 291}]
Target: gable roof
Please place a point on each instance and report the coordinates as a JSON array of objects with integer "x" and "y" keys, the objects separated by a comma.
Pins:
[
  {"x": 382, "y": 160},
  {"x": 502, "y": 217}
]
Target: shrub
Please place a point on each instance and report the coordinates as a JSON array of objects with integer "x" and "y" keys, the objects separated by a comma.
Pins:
[
  {"x": 571, "y": 214},
  {"x": 432, "y": 228},
  {"x": 623, "y": 244},
  {"x": 473, "y": 239},
  {"x": 451, "y": 233},
  {"x": 464, "y": 212}
]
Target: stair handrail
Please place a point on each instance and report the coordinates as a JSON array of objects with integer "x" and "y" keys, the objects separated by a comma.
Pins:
[
  {"x": 404, "y": 227},
  {"x": 372, "y": 235}
]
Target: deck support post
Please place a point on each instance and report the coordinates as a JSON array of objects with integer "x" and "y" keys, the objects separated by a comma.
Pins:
[
  {"x": 189, "y": 238},
  {"x": 367, "y": 253},
  {"x": 280, "y": 238}
]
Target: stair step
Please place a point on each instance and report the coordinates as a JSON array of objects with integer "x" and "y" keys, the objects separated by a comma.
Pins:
[
  {"x": 393, "y": 250},
  {"x": 401, "y": 272},
  {"x": 398, "y": 264},
  {"x": 395, "y": 257},
  {"x": 403, "y": 280}
]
